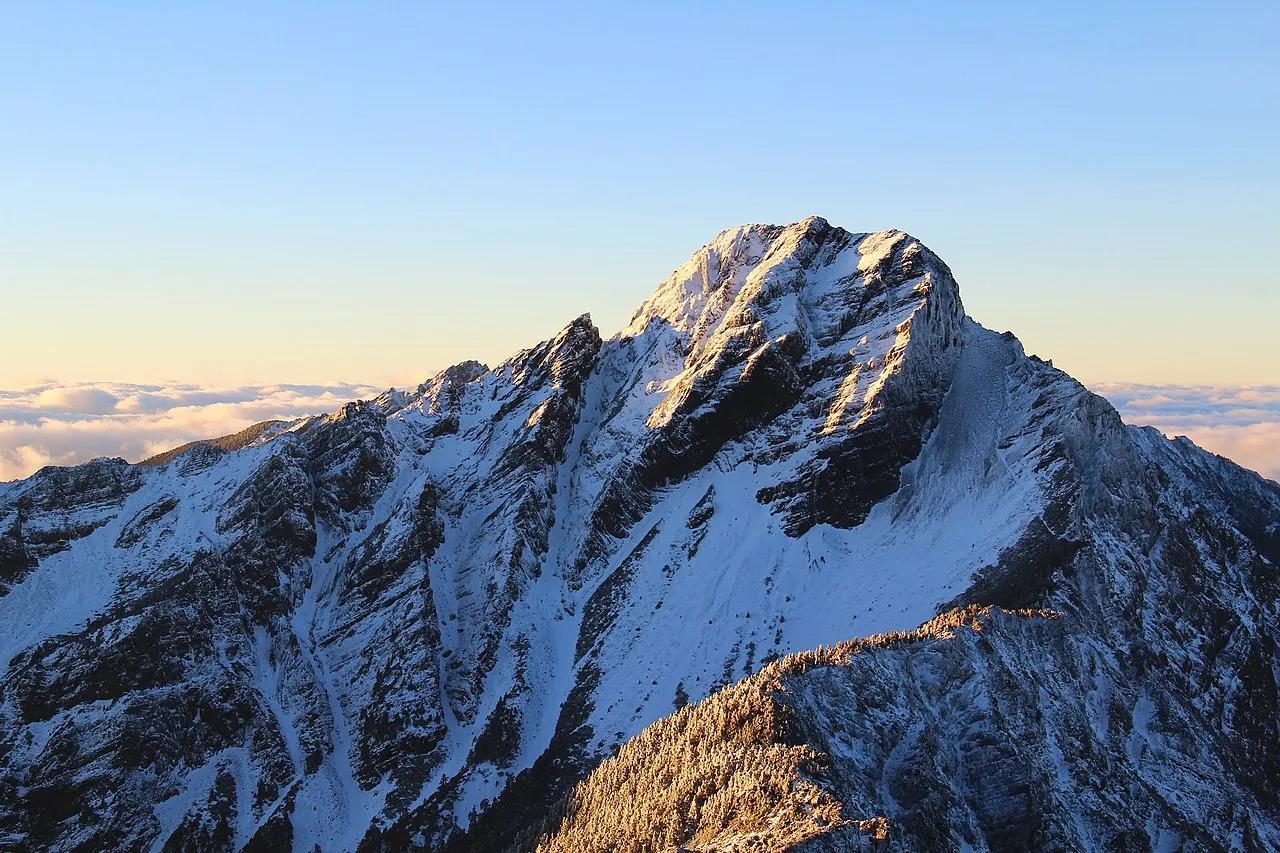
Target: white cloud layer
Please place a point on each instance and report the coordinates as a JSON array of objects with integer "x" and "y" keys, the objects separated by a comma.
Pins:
[
  {"x": 68, "y": 424},
  {"x": 56, "y": 424},
  {"x": 1239, "y": 422}
]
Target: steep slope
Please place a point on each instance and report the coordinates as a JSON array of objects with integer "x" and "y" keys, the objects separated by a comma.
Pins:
[
  {"x": 422, "y": 619},
  {"x": 1143, "y": 718}
]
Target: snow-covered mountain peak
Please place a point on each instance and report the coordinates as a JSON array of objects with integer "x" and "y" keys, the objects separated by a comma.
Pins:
[
  {"x": 415, "y": 621},
  {"x": 810, "y": 328},
  {"x": 810, "y": 279},
  {"x": 561, "y": 354}
]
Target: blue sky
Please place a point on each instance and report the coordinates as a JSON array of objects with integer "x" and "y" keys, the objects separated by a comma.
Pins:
[{"x": 236, "y": 193}]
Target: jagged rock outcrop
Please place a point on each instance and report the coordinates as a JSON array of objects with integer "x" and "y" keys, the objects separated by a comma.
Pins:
[{"x": 421, "y": 620}]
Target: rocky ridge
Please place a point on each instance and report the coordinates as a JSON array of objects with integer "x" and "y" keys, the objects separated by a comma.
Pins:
[{"x": 421, "y": 620}]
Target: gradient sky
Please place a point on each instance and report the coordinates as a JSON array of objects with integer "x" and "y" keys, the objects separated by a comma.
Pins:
[{"x": 227, "y": 193}]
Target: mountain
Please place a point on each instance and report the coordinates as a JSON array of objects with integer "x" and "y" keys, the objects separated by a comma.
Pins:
[{"x": 425, "y": 620}]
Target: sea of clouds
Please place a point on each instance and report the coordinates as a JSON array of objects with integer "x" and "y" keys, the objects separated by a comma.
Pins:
[
  {"x": 60, "y": 424},
  {"x": 1240, "y": 422},
  {"x": 56, "y": 424}
]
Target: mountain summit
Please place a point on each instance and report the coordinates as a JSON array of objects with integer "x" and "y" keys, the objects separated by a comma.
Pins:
[{"x": 424, "y": 620}]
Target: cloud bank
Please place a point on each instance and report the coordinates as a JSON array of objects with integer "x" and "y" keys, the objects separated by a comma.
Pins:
[
  {"x": 54, "y": 424},
  {"x": 1239, "y": 422}
]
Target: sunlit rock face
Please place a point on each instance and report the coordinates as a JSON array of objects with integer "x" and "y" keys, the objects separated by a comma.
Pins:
[{"x": 422, "y": 620}]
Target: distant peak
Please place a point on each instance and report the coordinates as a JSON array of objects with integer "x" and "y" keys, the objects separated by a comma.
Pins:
[
  {"x": 814, "y": 223},
  {"x": 464, "y": 371},
  {"x": 580, "y": 329},
  {"x": 451, "y": 379}
]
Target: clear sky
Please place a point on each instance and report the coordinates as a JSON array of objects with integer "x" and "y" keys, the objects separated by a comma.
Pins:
[{"x": 308, "y": 192}]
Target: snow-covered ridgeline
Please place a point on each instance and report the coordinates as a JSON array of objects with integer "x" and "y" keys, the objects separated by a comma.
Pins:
[{"x": 435, "y": 610}]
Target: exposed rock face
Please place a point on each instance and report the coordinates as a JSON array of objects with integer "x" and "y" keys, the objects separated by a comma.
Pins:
[
  {"x": 59, "y": 506},
  {"x": 421, "y": 620},
  {"x": 1138, "y": 713}
]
